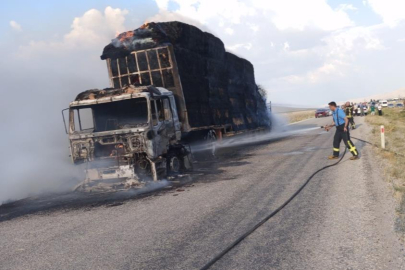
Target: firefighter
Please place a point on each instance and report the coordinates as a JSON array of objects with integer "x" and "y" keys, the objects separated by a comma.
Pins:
[
  {"x": 341, "y": 122},
  {"x": 349, "y": 114}
]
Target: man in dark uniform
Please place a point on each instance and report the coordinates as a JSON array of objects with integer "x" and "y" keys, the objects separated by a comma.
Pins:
[
  {"x": 349, "y": 114},
  {"x": 341, "y": 122}
]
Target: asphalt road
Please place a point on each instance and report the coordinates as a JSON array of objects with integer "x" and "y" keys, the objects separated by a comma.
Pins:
[{"x": 344, "y": 218}]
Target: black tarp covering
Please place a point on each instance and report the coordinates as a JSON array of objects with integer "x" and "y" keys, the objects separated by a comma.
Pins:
[{"x": 219, "y": 88}]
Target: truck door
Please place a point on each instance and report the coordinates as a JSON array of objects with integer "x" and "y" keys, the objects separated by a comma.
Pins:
[{"x": 163, "y": 124}]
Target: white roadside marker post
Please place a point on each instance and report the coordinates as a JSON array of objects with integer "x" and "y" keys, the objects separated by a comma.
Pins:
[{"x": 382, "y": 137}]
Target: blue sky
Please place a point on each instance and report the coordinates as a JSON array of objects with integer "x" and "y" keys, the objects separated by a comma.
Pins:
[
  {"x": 309, "y": 46},
  {"x": 47, "y": 16},
  {"x": 364, "y": 16}
]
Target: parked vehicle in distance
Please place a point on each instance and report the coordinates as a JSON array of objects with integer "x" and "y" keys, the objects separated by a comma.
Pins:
[
  {"x": 399, "y": 105},
  {"x": 391, "y": 105},
  {"x": 321, "y": 113},
  {"x": 384, "y": 103}
]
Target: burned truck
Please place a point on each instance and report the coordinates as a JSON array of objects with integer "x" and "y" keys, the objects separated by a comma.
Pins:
[{"x": 170, "y": 83}]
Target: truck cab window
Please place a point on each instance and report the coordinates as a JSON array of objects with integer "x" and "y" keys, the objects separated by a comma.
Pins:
[
  {"x": 158, "y": 111},
  {"x": 83, "y": 119},
  {"x": 167, "y": 110},
  {"x": 154, "y": 113},
  {"x": 109, "y": 116}
]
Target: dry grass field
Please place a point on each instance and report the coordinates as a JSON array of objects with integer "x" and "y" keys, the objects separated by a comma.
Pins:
[
  {"x": 393, "y": 120},
  {"x": 299, "y": 116}
]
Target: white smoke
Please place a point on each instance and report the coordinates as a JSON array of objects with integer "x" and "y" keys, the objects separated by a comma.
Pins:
[{"x": 39, "y": 79}]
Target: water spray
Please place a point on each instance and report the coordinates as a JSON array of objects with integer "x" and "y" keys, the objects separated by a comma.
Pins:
[{"x": 247, "y": 139}]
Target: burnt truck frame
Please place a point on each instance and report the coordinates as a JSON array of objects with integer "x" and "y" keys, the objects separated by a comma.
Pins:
[
  {"x": 131, "y": 150},
  {"x": 160, "y": 63},
  {"x": 113, "y": 149}
]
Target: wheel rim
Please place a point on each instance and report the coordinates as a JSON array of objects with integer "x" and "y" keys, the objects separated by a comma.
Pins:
[{"x": 175, "y": 164}]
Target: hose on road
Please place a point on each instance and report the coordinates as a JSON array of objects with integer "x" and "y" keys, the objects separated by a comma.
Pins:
[{"x": 264, "y": 220}]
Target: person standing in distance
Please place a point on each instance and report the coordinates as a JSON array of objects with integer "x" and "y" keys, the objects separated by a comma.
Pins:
[
  {"x": 379, "y": 107},
  {"x": 341, "y": 122},
  {"x": 372, "y": 109},
  {"x": 349, "y": 114}
]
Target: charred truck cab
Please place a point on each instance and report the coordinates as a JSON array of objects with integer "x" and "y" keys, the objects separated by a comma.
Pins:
[{"x": 126, "y": 133}]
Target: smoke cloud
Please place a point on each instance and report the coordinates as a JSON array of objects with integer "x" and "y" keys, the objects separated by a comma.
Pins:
[
  {"x": 35, "y": 155},
  {"x": 39, "y": 79}
]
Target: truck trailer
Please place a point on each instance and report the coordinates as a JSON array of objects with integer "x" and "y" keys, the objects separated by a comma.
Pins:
[{"x": 170, "y": 83}]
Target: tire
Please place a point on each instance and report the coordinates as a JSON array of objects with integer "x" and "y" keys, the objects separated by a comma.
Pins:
[
  {"x": 187, "y": 163},
  {"x": 174, "y": 165}
]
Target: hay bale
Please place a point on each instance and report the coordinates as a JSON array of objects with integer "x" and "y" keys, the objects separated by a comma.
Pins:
[{"x": 219, "y": 87}]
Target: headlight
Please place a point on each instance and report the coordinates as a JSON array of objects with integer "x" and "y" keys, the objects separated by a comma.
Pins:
[
  {"x": 136, "y": 143},
  {"x": 80, "y": 150}
]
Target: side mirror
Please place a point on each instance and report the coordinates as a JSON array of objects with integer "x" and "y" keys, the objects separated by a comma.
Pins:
[{"x": 64, "y": 121}]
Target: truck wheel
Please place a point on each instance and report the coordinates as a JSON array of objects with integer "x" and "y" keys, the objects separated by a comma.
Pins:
[
  {"x": 175, "y": 164},
  {"x": 211, "y": 139},
  {"x": 187, "y": 162}
]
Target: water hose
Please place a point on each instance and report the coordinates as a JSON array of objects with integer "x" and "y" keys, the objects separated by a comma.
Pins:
[{"x": 260, "y": 223}]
